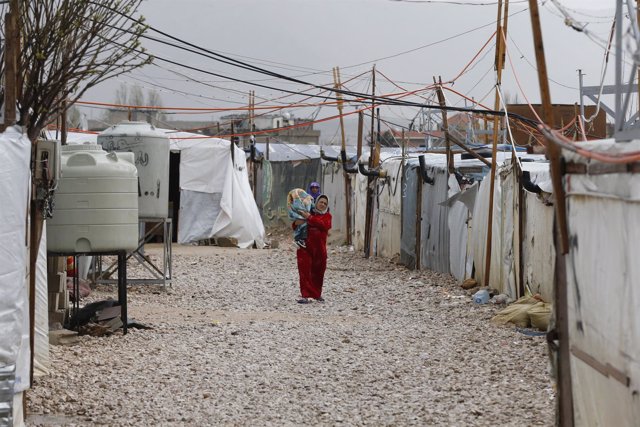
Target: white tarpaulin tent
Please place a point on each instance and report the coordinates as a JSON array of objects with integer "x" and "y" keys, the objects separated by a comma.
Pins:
[
  {"x": 15, "y": 154},
  {"x": 215, "y": 198}
]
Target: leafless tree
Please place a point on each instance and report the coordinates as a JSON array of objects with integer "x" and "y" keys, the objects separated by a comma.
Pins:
[
  {"x": 69, "y": 46},
  {"x": 132, "y": 100}
]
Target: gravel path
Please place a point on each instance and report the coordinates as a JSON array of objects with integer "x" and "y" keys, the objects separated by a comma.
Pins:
[{"x": 230, "y": 346}]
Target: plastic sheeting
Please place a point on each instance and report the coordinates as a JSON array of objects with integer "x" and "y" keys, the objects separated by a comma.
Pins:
[
  {"x": 280, "y": 177},
  {"x": 15, "y": 154},
  {"x": 458, "y": 234},
  {"x": 504, "y": 268},
  {"x": 41, "y": 361},
  {"x": 332, "y": 183},
  {"x": 388, "y": 225},
  {"x": 360, "y": 212},
  {"x": 206, "y": 166}
]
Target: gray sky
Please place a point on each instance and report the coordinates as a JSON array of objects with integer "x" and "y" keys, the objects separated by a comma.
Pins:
[{"x": 410, "y": 42}]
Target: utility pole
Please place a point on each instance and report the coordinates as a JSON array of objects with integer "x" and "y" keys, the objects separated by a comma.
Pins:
[
  {"x": 565, "y": 397},
  {"x": 500, "y": 53},
  {"x": 252, "y": 105},
  {"x": 445, "y": 124},
  {"x": 370, "y": 179},
  {"x": 347, "y": 179}
]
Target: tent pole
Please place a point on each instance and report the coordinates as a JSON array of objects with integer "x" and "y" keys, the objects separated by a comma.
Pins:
[
  {"x": 564, "y": 414},
  {"x": 347, "y": 179},
  {"x": 500, "y": 52}
]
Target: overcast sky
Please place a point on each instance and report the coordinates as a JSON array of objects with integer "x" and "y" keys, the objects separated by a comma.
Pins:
[{"x": 409, "y": 41}]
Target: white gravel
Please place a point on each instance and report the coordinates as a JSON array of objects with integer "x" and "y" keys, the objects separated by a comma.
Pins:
[{"x": 230, "y": 346}]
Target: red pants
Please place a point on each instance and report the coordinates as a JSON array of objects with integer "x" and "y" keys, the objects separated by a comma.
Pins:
[{"x": 311, "y": 267}]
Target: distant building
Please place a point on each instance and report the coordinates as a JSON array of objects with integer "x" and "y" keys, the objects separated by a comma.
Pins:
[
  {"x": 280, "y": 127},
  {"x": 462, "y": 127},
  {"x": 275, "y": 127}
]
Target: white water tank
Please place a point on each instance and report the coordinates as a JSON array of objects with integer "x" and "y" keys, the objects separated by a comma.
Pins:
[
  {"x": 151, "y": 150},
  {"x": 96, "y": 202}
]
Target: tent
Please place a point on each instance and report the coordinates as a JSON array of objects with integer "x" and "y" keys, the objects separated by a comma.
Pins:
[
  {"x": 215, "y": 197},
  {"x": 15, "y": 177}
]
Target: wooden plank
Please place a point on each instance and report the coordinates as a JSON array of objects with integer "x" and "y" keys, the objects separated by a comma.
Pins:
[{"x": 605, "y": 369}]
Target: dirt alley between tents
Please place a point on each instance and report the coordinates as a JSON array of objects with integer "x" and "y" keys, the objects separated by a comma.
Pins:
[{"x": 230, "y": 346}]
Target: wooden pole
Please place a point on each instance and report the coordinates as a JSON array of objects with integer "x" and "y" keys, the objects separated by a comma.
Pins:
[
  {"x": 63, "y": 119},
  {"x": 445, "y": 124},
  {"x": 402, "y": 179},
  {"x": 565, "y": 397},
  {"x": 360, "y": 132},
  {"x": 347, "y": 179},
  {"x": 369, "y": 208},
  {"x": 469, "y": 150},
  {"x": 496, "y": 131},
  {"x": 231, "y": 146}
]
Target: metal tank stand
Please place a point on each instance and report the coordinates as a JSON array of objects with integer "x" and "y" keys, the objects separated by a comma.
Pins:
[{"x": 159, "y": 274}]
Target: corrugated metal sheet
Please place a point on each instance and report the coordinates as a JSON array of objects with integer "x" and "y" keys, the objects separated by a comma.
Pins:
[
  {"x": 409, "y": 215},
  {"x": 388, "y": 226},
  {"x": 434, "y": 251}
]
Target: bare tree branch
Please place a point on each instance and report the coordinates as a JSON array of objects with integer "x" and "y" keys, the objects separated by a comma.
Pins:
[{"x": 69, "y": 46}]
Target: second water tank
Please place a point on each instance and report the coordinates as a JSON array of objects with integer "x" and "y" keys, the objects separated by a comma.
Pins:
[{"x": 151, "y": 150}]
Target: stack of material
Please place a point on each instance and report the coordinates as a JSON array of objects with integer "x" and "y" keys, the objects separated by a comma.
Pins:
[
  {"x": 104, "y": 323},
  {"x": 98, "y": 318},
  {"x": 57, "y": 288}
]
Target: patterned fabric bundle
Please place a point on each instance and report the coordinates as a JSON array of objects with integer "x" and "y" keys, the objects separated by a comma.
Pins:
[{"x": 298, "y": 200}]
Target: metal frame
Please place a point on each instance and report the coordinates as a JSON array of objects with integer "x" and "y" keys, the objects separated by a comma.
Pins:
[{"x": 159, "y": 275}]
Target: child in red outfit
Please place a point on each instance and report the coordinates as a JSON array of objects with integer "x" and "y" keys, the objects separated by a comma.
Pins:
[{"x": 312, "y": 260}]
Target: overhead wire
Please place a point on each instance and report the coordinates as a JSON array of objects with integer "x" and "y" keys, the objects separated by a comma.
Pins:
[{"x": 374, "y": 99}]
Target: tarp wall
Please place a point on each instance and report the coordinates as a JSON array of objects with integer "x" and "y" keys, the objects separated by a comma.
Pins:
[
  {"x": 458, "y": 234},
  {"x": 332, "y": 184},
  {"x": 360, "y": 211},
  {"x": 216, "y": 198},
  {"x": 504, "y": 268},
  {"x": 280, "y": 177},
  {"x": 386, "y": 231},
  {"x": 602, "y": 278},
  {"x": 538, "y": 251},
  {"x": 41, "y": 361},
  {"x": 15, "y": 154}
]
